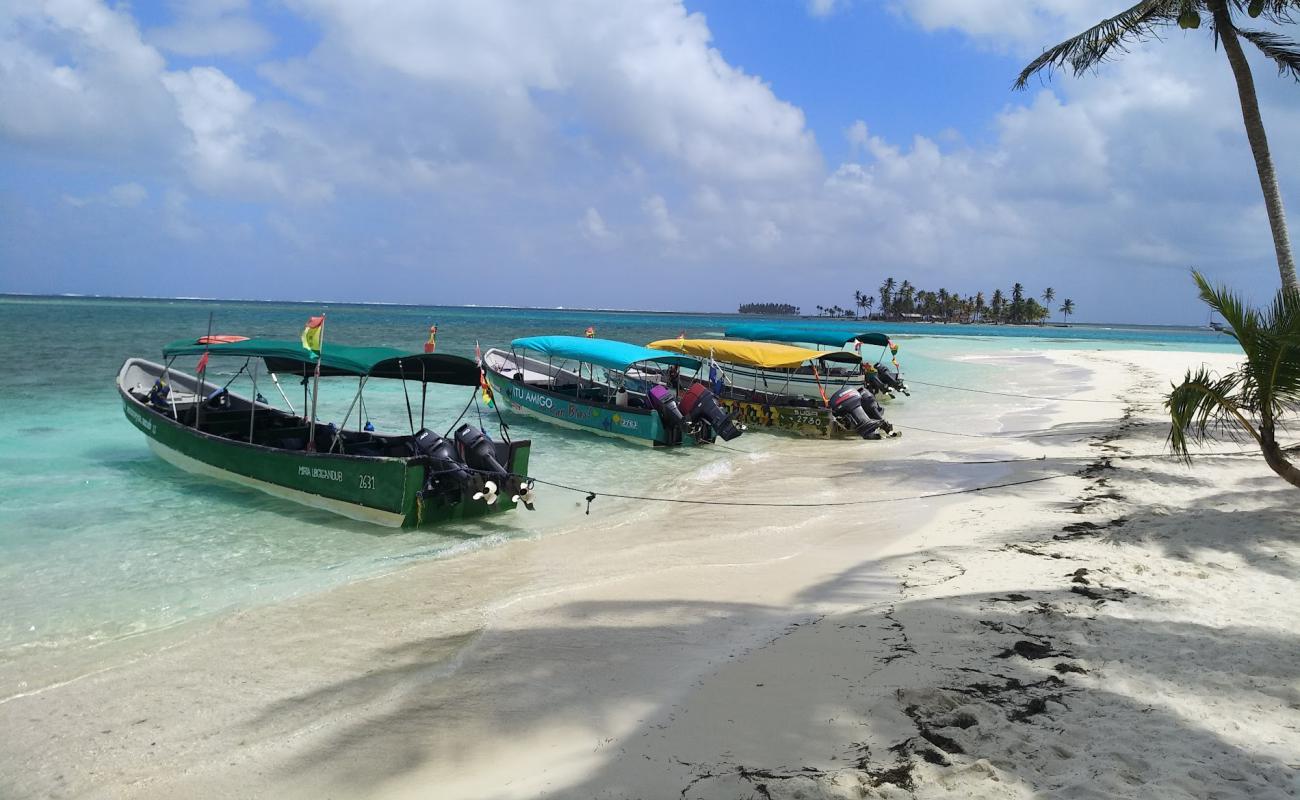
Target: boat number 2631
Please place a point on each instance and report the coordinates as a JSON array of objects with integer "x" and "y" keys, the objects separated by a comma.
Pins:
[{"x": 367, "y": 481}]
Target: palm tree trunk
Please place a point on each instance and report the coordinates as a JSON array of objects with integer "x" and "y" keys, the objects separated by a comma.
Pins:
[
  {"x": 1258, "y": 140},
  {"x": 1273, "y": 456}
]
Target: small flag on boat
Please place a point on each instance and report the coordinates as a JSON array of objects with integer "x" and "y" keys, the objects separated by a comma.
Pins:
[
  {"x": 893, "y": 348},
  {"x": 681, "y": 337},
  {"x": 591, "y": 332},
  {"x": 202, "y": 366},
  {"x": 432, "y": 344},
  {"x": 482, "y": 377},
  {"x": 311, "y": 335}
]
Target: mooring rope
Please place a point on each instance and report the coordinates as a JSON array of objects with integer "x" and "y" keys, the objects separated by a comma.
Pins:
[{"x": 1024, "y": 396}]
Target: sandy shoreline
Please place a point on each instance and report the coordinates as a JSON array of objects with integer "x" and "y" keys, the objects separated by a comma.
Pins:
[{"x": 947, "y": 647}]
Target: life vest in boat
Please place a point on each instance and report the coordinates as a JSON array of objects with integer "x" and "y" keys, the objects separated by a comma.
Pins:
[{"x": 159, "y": 393}]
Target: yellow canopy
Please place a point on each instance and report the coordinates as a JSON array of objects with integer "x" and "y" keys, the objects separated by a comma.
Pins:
[{"x": 763, "y": 355}]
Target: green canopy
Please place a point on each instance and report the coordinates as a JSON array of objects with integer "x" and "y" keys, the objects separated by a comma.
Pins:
[{"x": 286, "y": 356}]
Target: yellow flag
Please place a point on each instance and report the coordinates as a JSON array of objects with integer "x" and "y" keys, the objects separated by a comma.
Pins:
[{"x": 311, "y": 335}]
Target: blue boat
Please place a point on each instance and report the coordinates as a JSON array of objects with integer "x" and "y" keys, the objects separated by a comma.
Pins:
[{"x": 580, "y": 383}]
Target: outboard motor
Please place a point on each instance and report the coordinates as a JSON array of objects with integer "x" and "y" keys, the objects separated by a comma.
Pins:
[
  {"x": 891, "y": 379},
  {"x": 871, "y": 381},
  {"x": 492, "y": 477},
  {"x": 662, "y": 401},
  {"x": 846, "y": 405},
  {"x": 875, "y": 411},
  {"x": 701, "y": 407},
  {"x": 447, "y": 475}
]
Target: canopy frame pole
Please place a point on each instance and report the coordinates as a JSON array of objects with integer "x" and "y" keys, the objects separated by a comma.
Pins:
[
  {"x": 424, "y": 390},
  {"x": 203, "y": 374},
  {"x": 252, "y": 414},
  {"x": 410, "y": 420},
  {"x": 315, "y": 391},
  {"x": 276, "y": 381},
  {"x": 338, "y": 440},
  {"x": 171, "y": 396}
]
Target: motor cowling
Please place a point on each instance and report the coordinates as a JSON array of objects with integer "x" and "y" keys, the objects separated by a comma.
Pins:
[
  {"x": 846, "y": 405},
  {"x": 663, "y": 402},
  {"x": 891, "y": 379},
  {"x": 701, "y": 407},
  {"x": 875, "y": 411},
  {"x": 447, "y": 475}
]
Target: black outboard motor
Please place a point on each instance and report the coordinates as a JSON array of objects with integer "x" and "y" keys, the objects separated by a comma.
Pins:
[
  {"x": 491, "y": 477},
  {"x": 846, "y": 405},
  {"x": 877, "y": 412},
  {"x": 447, "y": 476},
  {"x": 891, "y": 378},
  {"x": 872, "y": 383},
  {"x": 702, "y": 407}
]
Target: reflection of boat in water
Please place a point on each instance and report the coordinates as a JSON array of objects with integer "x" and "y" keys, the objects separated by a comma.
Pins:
[
  {"x": 752, "y": 381},
  {"x": 555, "y": 378},
  {"x": 397, "y": 480},
  {"x": 884, "y": 377}
]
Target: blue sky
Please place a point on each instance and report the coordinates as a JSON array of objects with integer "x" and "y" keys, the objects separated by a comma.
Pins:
[{"x": 640, "y": 154}]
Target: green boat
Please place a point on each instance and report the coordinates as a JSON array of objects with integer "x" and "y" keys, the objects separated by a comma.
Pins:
[
  {"x": 554, "y": 378},
  {"x": 396, "y": 480}
]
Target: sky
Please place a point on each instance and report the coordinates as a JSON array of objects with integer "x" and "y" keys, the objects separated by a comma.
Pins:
[{"x": 653, "y": 154}]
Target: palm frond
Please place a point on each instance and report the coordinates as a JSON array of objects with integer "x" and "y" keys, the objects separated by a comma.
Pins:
[
  {"x": 1243, "y": 321},
  {"x": 1284, "y": 52},
  {"x": 1093, "y": 46},
  {"x": 1204, "y": 406},
  {"x": 1278, "y": 12}
]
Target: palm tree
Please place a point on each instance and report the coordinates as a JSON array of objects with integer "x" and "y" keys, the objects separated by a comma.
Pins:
[
  {"x": 1144, "y": 20},
  {"x": 867, "y": 303},
  {"x": 1017, "y": 302},
  {"x": 1256, "y": 395},
  {"x": 979, "y": 304},
  {"x": 1067, "y": 308},
  {"x": 996, "y": 305},
  {"x": 886, "y": 293},
  {"x": 1049, "y": 294}
]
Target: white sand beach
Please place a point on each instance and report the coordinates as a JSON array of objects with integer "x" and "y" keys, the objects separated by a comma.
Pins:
[{"x": 1126, "y": 627}]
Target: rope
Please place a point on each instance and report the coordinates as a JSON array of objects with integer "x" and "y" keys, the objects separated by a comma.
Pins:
[{"x": 1011, "y": 394}]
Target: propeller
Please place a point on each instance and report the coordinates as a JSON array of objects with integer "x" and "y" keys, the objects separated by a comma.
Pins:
[
  {"x": 489, "y": 493},
  {"x": 526, "y": 495}
]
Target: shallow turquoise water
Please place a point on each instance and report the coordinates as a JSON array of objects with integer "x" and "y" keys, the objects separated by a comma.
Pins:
[{"x": 99, "y": 539}]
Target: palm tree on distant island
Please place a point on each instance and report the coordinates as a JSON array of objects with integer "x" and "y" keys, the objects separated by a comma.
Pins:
[
  {"x": 1049, "y": 294},
  {"x": 1067, "y": 308},
  {"x": 1144, "y": 21}
]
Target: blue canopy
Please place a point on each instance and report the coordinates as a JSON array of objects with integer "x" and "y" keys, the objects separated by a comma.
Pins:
[
  {"x": 829, "y": 335},
  {"x": 604, "y": 352}
]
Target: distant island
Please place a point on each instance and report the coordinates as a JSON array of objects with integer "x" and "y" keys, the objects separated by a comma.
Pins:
[
  {"x": 905, "y": 302},
  {"x": 777, "y": 309}
]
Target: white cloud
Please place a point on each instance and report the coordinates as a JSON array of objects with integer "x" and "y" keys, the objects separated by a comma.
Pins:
[
  {"x": 198, "y": 37},
  {"x": 593, "y": 227},
  {"x": 661, "y": 222}
]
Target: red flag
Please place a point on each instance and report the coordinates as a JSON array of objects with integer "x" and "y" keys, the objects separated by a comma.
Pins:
[
  {"x": 203, "y": 363},
  {"x": 591, "y": 331},
  {"x": 432, "y": 344}
]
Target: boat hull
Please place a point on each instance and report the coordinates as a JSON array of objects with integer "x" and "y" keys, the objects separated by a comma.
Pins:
[
  {"x": 638, "y": 426},
  {"x": 817, "y": 423},
  {"x": 379, "y": 490}
]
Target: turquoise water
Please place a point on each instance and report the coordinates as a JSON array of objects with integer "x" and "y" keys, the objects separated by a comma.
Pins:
[{"x": 100, "y": 540}]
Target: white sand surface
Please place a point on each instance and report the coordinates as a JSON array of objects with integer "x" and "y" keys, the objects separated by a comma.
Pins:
[{"x": 1124, "y": 629}]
